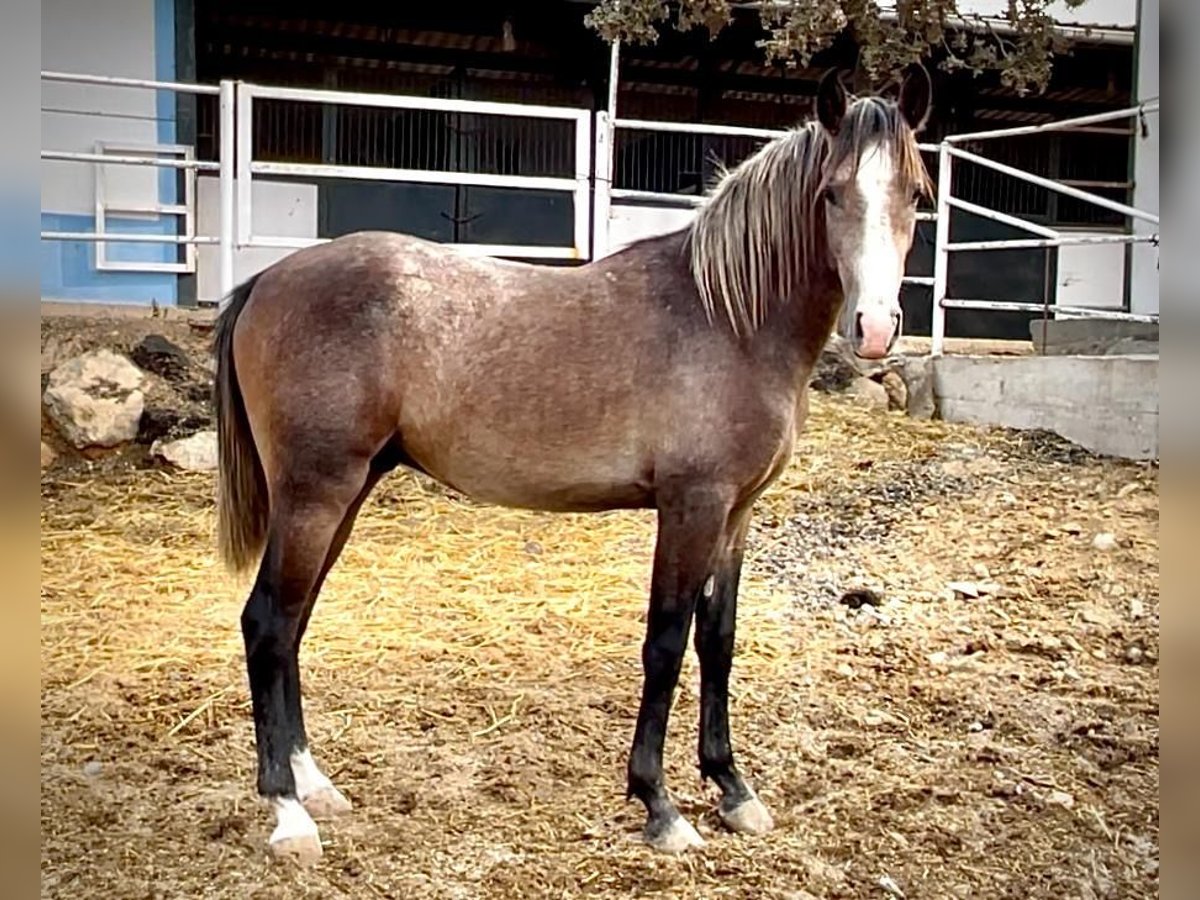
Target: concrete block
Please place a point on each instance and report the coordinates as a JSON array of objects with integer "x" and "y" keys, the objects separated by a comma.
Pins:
[
  {"x": 1087, "y": 337},
  {"x": 1106, "y": 404}
]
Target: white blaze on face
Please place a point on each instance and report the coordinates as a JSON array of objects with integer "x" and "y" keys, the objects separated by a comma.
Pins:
[{"x": 867, "y": 241}]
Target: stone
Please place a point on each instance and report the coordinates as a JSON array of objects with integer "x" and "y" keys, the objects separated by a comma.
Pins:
[
  {"x": 197, "y": 453},
  {"x": 836, "y": 368},
  {"x": 96, "y": 399},
  {"x": 156, "y": 354},
  {"x": 868, "y": 393},
  {"x": 48, "y": 455},
  {"x": 897, "y": 390},
  {"x": 1104, "y": 541},
  {"x": 917, "y": 373}
]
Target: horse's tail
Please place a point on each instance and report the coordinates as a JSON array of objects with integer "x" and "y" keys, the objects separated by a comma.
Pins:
[{"x": 243, "y": 505}]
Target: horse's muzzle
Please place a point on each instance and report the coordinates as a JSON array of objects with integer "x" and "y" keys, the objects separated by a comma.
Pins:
[{"x": 875, "y": 333}]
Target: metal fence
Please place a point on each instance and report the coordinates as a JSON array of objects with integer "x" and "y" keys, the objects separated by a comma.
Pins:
[
  {"x": 608, "y": 169},
  {"x": 949, "y": 152},
  {"x": 237, "y": 167},
  {"x": 464, "y": 172},
  {"x": 613, "y": 172},
  {"x": 161, "y": 156}
]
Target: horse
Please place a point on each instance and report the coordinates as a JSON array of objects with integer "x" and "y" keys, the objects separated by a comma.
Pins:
[{"x": 669, "y": 376}]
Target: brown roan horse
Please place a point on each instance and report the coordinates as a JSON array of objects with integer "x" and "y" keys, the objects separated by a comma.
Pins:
[{"x": 670, "y": 375}]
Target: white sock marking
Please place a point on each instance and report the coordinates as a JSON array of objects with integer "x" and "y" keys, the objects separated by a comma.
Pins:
[
  {"x": 309, "y": 778},
  {"x": 292, "y": 821}
]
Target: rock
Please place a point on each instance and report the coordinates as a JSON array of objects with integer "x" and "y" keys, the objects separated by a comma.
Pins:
[
  {"x": 48, "y": 455},
  {"x": 1072, "y": 528},
  {"x": 974, "y": 589},
  {"x": 159, "y": 423},
  {"x": 917, "y": 373},
  {"x": 156, "y": 354},
  {"x": 1104, "y": 541},
  {"x": 96, "y": 399},
  {"x": 92, "y": 768},
  {"x": 869, "y": 393},
  {"x": 197, "y": 453},
  {"x": 1137, "y": 608},
  {"x": 897, "y": 391},
  {"x": 1061, "y": 798},
  {"x": 836, "y": 368}
]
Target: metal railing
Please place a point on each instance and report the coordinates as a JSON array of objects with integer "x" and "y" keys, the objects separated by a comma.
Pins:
[
  {"x": 236, "y": 169},
  {"x": 606, "y": 193},
  {"x": 578, "y": 185},
  {"x": 139, "y": 155},
  {"x": 949, "y": 152}
]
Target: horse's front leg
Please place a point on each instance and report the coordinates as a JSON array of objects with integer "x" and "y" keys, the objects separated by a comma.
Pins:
[
  {"x": 691, "y": 523},
  {"x": 716, "y": 619}
]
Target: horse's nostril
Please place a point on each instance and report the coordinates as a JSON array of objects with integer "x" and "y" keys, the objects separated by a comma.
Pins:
[{"x": 858, "y": 331}]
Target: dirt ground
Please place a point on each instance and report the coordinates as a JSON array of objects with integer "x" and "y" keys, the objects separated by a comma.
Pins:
[{"x": 471, "y": 678}]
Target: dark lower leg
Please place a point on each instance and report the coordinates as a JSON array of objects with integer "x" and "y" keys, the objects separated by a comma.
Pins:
[
  {"x": 268, "y": 630},
  {"x": 302, "y": 531},
  {"x": 340, "y": 537},
  {"x": 716, "y": 618},
  {"x": 688, "y": 534}
]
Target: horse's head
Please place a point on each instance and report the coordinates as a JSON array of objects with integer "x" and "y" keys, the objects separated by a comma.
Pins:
[{"x": 873, "y": 180}]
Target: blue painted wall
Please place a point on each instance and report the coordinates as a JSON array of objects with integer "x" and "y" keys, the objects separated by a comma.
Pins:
[{"x": 68, "y": 268}]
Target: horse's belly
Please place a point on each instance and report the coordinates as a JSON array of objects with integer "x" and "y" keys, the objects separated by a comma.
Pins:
[{"x": 546, "y": 474}]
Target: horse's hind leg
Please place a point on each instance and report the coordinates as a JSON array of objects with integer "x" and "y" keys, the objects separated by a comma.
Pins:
[
  {"x": 716, "y": 618},
  {"x": 314, "y": 790},
  {"x": 308, "y": 508},
  {"x": 691, "y": 524}
]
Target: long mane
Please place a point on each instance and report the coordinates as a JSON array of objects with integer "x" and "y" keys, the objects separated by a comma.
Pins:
[{"x": 760, "y": 237}]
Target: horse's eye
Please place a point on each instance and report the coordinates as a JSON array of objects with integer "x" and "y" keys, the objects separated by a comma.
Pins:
[
  {"x": 831, "y": 196},
  {"x": 916, "y": 198}
]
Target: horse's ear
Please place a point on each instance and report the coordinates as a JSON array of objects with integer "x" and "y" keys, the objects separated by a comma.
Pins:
[
  {"x": 916, "y": 96},
  {"x": 831, "y": 101}
]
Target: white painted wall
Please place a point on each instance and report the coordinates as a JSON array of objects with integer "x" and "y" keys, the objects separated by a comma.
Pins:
[
  {"x": 1091, "y": 275},
  {"x": 1143, "y": 288},
  {"x": 1098, "y": 13},
  {"x": 632, "y": 223},
  {"x": 100, "y": 37},
  {"x": 277, "y": 209}
]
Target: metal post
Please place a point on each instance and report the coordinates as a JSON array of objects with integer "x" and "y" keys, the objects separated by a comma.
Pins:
[
  {"x": 941, "y": 253},
  {"x": 245, "y": 150},
  {"x": 226, "y": 182},
  {"x": 606, "y": 138},
  {"x": 602, "y": 201},
  {"x": 582, "y": 195}
]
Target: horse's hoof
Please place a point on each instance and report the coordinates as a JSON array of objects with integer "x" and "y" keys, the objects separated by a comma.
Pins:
[
  {"x": 326, "y": 803},
  {"x": 675, "y": 837},
  {"x": 295, "y": 837},
  {"x": 302, "y": 849},
  {"x": 748, "y": 817}
]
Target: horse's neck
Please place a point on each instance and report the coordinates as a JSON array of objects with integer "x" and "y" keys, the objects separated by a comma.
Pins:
[{"x": 793, "y": 337}]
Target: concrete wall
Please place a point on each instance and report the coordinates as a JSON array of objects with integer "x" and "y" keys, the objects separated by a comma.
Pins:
[
  {"x": 130, "y": 38},
  {"x": 1107, "y": 404},
  {"x": 1143, "y": 286}
]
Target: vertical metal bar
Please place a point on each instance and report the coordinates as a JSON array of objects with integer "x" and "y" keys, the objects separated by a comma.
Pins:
[
  {"x": 245, "y": 148},
  {"x": 941, "y": 256},
  {"x": 583, "y": 166},
  {"x": 226, "y": 183},
  {"x": 614, "y": 73},
  {"x": 602, "y": 202}
]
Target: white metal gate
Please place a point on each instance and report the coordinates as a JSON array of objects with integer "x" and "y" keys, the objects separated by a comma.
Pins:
[{"x": 950, "y": 152}]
